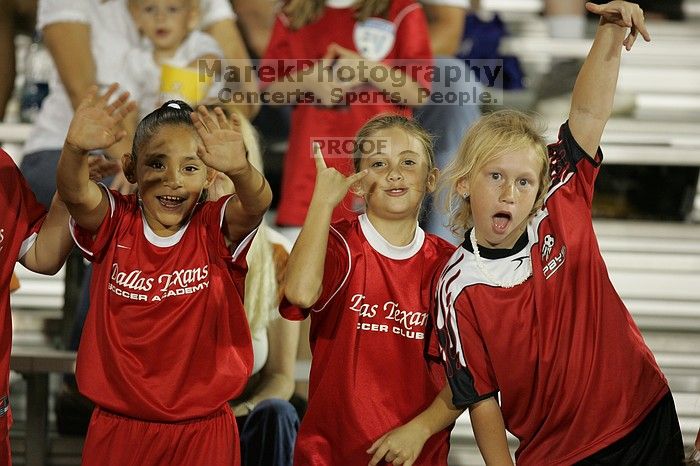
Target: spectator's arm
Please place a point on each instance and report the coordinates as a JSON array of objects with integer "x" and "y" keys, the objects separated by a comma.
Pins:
[
  {"x": 229, "y": 39},
  {"x": 278, "y": 373},
  {"x": 69, "y": 44},
  {"x": 446, "y": 27},
  {"x": 7, "y": 54},
  {"x": 256, "y": 19}
]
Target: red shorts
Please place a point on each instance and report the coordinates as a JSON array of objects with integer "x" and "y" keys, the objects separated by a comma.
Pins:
[{"x": 114, "y": 440}]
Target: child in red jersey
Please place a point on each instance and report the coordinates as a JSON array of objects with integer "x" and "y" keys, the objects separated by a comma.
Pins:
[
  {"x": 378, "y": 48},
  {"x": 40, "y": 242},
  {"x": 166, "y": 343},
  {"x": 368, "y": 284},
  {"x": 526, "y": 307}
]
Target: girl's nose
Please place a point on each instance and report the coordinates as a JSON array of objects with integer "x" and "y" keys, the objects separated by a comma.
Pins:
[
  {"x": 172, "y": 179},
  {"x": 394, "y": 174},
  {"x": 508, "y": 193}
]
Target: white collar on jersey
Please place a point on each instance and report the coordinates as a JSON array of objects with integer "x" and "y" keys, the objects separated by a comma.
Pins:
[
  {"x": 161, "y": 241},
  {"x": 524, "y": 274},
  {"x": 385, "y": 248},
  {"x": 340, "y": 3}
]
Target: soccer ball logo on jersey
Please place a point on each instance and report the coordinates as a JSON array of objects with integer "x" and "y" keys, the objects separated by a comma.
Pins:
[
  {"x": 374, "y": 38},
  {"x": 388, "y": 318},
  {"x": 551, "y": 261}
]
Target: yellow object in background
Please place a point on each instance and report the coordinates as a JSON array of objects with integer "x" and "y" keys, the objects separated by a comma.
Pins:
[
  {"x": 14, "y": 283},
  {"x": 183, "y": 84}
]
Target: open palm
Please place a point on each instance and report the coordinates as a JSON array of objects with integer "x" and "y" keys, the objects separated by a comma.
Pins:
[
  {"x": 96, "y": 123},
  {"x": 222, "y": 145}
]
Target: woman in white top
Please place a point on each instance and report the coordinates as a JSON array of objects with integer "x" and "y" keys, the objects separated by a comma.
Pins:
[{"x": 88, "y": 41}]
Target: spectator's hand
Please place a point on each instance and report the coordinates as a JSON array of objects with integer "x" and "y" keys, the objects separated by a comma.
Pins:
[
  {"x": 240, "y": 410},
  {"x": 349, "y": 68},
  {"x": 223, "y": 148},
  {"x": 95, "y": 124},
  {"x": 328, "y": 81},
  {"x": 121, "y": 184},
  {"x": 623, "y": 14},
  {"x": 103, "y": 167},
  {"x": 220, "y": 187},
  {"x": 400, "y": 446},
  {"x": 331, "y": 185}
]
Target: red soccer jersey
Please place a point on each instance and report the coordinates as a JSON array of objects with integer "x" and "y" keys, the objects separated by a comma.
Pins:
[
  {"x": 405, "y": 25},
  {"x": 166, "y": 337},
  {"x": 368, "y": 372},
  {"x": 21, "y": 216},
  {"x": 572, "y": 368}
]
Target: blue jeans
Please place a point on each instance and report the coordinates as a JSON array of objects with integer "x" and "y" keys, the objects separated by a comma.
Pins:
[
  {"x": 39, "y": 169},
  {"x": 268, "y": 434},
  {"x": 448, "y": 123}
]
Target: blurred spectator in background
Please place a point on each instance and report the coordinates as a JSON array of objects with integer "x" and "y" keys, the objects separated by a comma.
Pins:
[
  {"x": 16, "y": 17},
  {"x": 447, "y": 122}
]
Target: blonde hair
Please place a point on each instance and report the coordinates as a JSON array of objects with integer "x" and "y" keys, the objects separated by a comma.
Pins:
[
  {"x": 261, "y": 291},
  {"x": 393, "y": 120},
  {"x": 302, "y": 12},
  {"x": 493, "y": 135}
]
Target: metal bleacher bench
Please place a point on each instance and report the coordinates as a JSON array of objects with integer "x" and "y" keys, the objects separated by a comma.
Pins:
[{"x": 35, "y": 365}]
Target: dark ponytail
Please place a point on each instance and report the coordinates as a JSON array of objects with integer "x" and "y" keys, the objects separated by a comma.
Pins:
[{"x": 172, "y": 112}]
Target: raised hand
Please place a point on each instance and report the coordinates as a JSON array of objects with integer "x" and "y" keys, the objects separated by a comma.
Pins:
[
  {"x": 96, "y": 122},
  {"x": 222, "y": 145},
  {"x": 623, "y": 14},
  {"x": 331, "y": 185}
]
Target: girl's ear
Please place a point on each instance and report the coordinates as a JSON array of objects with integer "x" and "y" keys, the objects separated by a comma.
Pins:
[
  {"x": 211, "y": 176},
  {"x": 129, "y": 167},
  {"x": 463, "y": 187},
  {"x": 431, "y": 182}
]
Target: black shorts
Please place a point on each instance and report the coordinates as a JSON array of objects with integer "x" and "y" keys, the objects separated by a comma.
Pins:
[{"x": 656, "y": 441}]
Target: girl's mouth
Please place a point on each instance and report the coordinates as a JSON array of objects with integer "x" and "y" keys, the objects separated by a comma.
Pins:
[
  {"x": 500, "y": 222},
  {"x": 396, "y": 192},
  {"x": 170, "y": 202}
]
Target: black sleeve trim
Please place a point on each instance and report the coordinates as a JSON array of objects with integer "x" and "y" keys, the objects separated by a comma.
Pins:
[{"x": 574, "y": 151}]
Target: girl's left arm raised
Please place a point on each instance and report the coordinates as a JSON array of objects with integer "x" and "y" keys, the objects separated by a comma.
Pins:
[{"x": 223, "y": 150}]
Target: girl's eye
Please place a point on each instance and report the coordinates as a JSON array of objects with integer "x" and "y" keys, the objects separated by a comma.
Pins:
[
  {"x": 156, "y": 165},
  {"x": 173, "y": 9},
  {"x": 409, "y": 162},
  {"x": 191, "y": 168},
  {"x": 495, "y": 176},
  {"x": 377, "y": 164},
  {"x": 524, "y": 182},
  {"x": 150, "y": 9}
]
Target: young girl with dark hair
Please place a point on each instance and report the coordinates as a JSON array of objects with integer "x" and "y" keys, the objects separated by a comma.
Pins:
[{"x": 166, "y": 343}]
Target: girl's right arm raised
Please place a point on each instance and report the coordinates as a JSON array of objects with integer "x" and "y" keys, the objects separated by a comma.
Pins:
[
  {"x": 305, "y": 266},
  {"x": 94, "y": 126}
]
